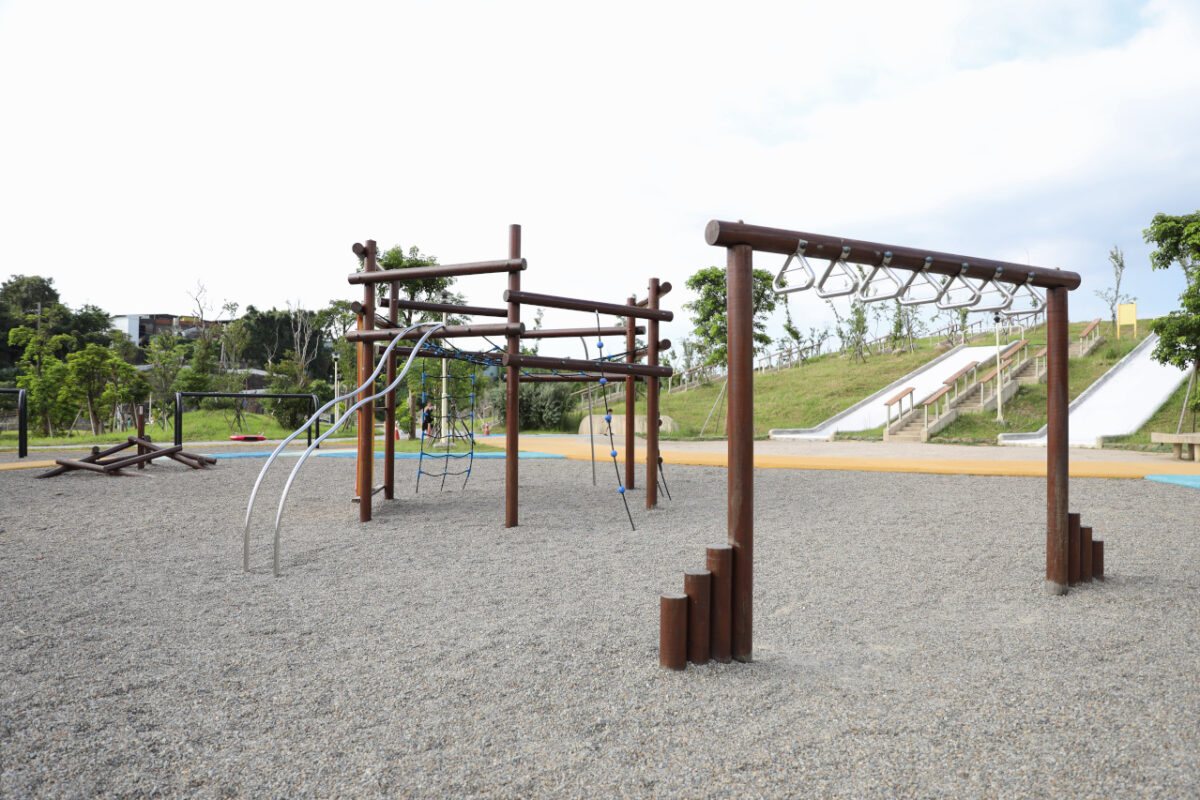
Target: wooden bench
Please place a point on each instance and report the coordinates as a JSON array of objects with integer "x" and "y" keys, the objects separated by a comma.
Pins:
[{"x": 1179, "y": 441}]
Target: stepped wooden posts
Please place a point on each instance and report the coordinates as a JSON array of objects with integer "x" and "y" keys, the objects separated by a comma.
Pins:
[{"x": 740, "y": 241}]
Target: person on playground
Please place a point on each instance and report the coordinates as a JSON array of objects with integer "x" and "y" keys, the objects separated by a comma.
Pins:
[{"x": 427, "y": 418}]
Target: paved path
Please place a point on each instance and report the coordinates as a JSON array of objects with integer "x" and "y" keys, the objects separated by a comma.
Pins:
[{"x": 939, "y": 459}]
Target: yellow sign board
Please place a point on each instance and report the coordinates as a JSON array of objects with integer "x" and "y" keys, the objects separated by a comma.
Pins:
[{"x": 1127, "y": 315}]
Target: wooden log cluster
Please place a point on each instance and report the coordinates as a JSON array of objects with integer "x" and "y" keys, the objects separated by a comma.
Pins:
[{"x": 107, "y": 462}]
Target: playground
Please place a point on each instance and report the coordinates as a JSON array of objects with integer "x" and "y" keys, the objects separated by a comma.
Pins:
[{"x": 903, "y": 640}]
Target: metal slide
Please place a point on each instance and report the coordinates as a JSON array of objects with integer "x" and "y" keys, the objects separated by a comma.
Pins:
[
  {"x": 434, "y": 326},
  {"x": 1119, "y": 402}
]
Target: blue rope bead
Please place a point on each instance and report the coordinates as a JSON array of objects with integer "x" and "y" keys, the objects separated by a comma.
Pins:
[
  {"x": 600, "y": 345},
  {"x": 621, "y": 489},
  {"x": 608, "y": 417},
  {"x": 613, "y": 454},
  {"x": 603, "y": 381}
]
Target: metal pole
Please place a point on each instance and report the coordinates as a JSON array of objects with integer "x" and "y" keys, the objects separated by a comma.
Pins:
[
  {"x": 512, "y": 413},
  {"x": 1057, "y": 455},
  {"x": 630, "y": 401},
  {"x": 22, "y": 425},
  {"x": 740, "y": 428},
  {"x": 178, "y": 418},
  {"x": 999, "y": 375},
  {"x": 652, "y": 400}
]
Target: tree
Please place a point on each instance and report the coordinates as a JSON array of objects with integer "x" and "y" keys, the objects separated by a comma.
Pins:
[
  {"x": 1177, "y": 240},
  {"x": 710, "y": 318},
  {"x": 39, "y": 352},
  {"x": 166, "y": 356},
  {"x": 88, "y": 371},
  {"x": 1114, "y": 297}
]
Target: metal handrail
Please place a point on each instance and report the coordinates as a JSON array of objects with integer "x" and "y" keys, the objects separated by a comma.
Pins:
[{"x": 271, "y": 459}]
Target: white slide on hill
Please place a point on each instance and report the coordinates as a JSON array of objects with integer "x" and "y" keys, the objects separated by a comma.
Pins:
[
  {"x": 871, "y": 413},
  {"x": 1118, "y": 403}
]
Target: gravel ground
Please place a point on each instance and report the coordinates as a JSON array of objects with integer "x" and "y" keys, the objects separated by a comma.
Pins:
[{"x": 903, "y": 644}]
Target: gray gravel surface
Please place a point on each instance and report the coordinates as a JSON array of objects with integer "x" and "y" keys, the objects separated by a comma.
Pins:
[{"x": 903, "y": 644}]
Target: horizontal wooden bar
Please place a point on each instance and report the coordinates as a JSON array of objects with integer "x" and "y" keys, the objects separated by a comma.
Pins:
[
  {"x": 69, "y": 464},
  {"x": 425, "y": 352},
  {"x": 574, "y": 304},
  {"x": 566, "y": 333},
  {"x": 449, "y": 308},
  {"x": 541, "y": 378},
  {"x": 903, "y": 394},
  {"x": 438, "y": 271},
  {"x": 777, "y": 240},
  {"x": 147, "y": 456},
  {"x": 546, "y": 362},
  {"x": 448, "y": 332},
  {"x": 663, "y": 288}
]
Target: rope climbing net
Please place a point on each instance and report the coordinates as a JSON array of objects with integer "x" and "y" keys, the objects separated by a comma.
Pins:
[{"x": 447, "y": 418}]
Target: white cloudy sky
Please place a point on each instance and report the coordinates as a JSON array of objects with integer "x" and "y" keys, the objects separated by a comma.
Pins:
[{"x": 148, "y": 146}]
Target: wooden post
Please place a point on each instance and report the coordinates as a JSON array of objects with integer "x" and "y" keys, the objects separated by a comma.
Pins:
[
  {"x": 740, "y": 427},
  {"x": 672, "y": 631},
  {"x": 630, "y": 399},
  {"x": 512, "y": 407},
  {"x": 1085, "y": 551},
  {"x": 1072, "y": 548},
  {"x": 389, "y": 438},
  {"x": 719, "y": 562},
  {"x": 1057, "y": 475},
  {"x": 1097, "y": 559},
  {"x": 697, "y": 586},
  {"x": 366, "y": 414},
  {"x": 652, "y": 401}
]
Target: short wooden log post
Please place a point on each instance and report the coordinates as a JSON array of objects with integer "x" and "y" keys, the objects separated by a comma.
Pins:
[
  {"x": 1072, "y": 549},
  {"x": 719, "y": 563},
  {"x": 672, "y": 631},
  {"x": 1085, "y": 554},
  {"x": 141, "y": 432},
  {"x": 697, "y": 586},
  {"x": 1097, "y": 559}
]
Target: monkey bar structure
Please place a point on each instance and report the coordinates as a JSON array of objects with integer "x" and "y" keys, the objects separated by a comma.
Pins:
[
  {"x": 374, "y": 330},
  {"x": 912, "y": 277}
]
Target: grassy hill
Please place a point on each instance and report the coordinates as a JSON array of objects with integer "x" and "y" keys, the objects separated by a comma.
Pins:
[{"x": 804, "y": 396}]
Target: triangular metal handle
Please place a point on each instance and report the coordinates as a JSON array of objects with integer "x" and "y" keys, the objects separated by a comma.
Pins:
[
  {"x": 841, "y": 267},
  {"x": 999, "y": 288},
  {"x": 804, "y": 265},
  {"x": 1033, "y": 295},
  {"x": 923, "y": 281},
  {"x": 945, "y": 303},
  {"x": 899, "y": 286}
]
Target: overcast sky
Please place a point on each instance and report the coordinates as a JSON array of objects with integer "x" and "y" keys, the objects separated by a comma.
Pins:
[{"x": 148, "y": 147}]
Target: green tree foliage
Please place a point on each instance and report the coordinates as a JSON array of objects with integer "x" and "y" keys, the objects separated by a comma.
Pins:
[
  {"x": 41, "y": 373},
  {"x": 1177, "y": 240},
  {"x": 166, "y": 357},
  {"x": 710, "y": 318},
  {"x": 1114, "y": 296},
  {"x": 88, "y": 371},
  {"x": 543, "y": 406}
]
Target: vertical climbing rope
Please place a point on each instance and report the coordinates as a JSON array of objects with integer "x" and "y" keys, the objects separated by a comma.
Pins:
[{"x": 608, "y": 421}]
